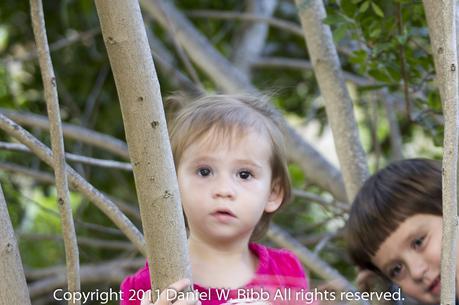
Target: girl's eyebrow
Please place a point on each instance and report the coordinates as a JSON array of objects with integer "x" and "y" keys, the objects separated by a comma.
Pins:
[
  {"x": 249, "y": 162},
  {"x": 202, "y": 159}
]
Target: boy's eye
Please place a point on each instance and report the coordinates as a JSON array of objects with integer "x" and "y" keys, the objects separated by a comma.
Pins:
[
  {"x": 417, "y": 243},
  {"x": 395, "y": 271},
  {"x": 245, "y": 174},
  {"x": 204, "y": 172}
]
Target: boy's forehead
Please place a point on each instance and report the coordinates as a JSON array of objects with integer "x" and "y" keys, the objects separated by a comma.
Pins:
[{"x": 412, "y": 227}]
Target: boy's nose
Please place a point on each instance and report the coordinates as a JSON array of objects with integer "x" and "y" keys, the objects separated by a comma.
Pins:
[{"x": 418, "y": 269}]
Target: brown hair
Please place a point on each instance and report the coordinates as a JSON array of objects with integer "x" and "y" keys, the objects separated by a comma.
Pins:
[
  {"x": 227, "y": 117},
  {"x": 388, "y": 198}
]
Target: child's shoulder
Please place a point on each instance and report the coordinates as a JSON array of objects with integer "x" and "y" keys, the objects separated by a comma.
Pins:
[
  {"x": 280, "y": 261},
  {"x": 137, "y": 281}
]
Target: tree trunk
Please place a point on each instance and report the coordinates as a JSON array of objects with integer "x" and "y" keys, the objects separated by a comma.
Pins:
[
  {"x": 442, "y": 30},
  {"x": 338, "y": 103},
  {"x": 13, "y": 285},
  {"x": 148, "y": 142}
]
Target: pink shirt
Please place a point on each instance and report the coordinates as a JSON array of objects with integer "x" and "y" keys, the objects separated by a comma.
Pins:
[{"x": 279, "y": 279}]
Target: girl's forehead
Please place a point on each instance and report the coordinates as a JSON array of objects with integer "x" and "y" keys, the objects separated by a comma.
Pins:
[{"x": 228, "y": 137}]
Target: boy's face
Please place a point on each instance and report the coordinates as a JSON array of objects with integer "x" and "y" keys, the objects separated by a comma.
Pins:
[
  {"x": 226, "y": 186},
  {"x": 411, "y": 255}
]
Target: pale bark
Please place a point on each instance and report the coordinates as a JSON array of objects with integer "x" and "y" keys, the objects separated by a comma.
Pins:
[
  {"x": 77, "y": 182},
  {"x": 74, "y": 132},
  {"x": 148, "y": 141},
  {"x": 13, "y": 285},
  {"x": 338, "y": 103},
  {"x": 57, "y": 144},
  {"x": 442, "y": 31},
  {"x": 252, "y": 41},
  {"x": 317, "y": 169}
]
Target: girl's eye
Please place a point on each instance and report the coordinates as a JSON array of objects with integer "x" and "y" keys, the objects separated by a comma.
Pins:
[
  {"x": 395, "y": 271},
  {"x": 417, "y": 243},
  {"x": 245, "y": 174},
  {"x": 204, "y": 172}
]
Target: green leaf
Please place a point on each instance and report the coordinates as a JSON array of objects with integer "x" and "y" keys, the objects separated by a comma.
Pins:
[
  {"x": 339, "y": 33},
  {"x": 364, "y": 6},
  {"x": 375, "y": 33},
  {"x": 333, "y": 19},
  {"x": 349, "y": 8},
  {"x": 380, "y": 74},
  {"x": 378, "y": 11}
]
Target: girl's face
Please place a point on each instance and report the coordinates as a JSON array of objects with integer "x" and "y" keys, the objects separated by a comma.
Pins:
[
  {"x": 411, "y": 255},
  {"x": 226, "y": 187}
]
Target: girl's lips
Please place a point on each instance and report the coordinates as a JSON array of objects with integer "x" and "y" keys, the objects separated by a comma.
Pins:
[
  {"x": 435, "y": 286},
  {"x": 224, "y": 215}
]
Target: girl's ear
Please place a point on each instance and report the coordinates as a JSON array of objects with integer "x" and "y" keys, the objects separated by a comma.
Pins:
[{"x": 275, "y": 198}]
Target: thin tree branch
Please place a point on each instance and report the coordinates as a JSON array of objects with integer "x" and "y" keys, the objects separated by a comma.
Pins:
[
  {"x": 71, "y": 131},
  {"x": 34, "y": 174},
  {"x": 320, "y": 200},
  {"x": 250, "y": 43},
  {"x": 304, "y": 64},
  {"x": 278, "y": 23},
  {"x": 403, "y": 72},
  {"x": 309, "y": 259},
  {"x": 167, "y": 65},
  {"x": 395, "y": 136},
  {"x": 44, "y": 177},
  {"x": 57, "y": 143},
  {"x": 82, "y": 241},
  {"x": 75, "y": 158},
  {"x": 57, "y": 45},
  {"x": 112, "y": 272},
  {"x": 77, "y": 182}
]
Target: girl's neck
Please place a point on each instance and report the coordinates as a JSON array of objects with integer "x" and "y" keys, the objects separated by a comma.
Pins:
[
  {"x": 224, "y": 265},
  {"x": 211, "y": 248}
]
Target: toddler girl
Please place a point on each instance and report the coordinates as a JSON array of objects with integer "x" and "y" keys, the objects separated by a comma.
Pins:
[{"x": 232, "y": 173}]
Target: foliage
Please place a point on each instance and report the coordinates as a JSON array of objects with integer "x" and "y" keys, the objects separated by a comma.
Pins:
[{"x": 383, "y": 42}]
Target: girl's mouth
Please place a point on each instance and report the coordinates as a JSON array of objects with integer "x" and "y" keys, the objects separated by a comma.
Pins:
[{"x": 224, "y": 215}]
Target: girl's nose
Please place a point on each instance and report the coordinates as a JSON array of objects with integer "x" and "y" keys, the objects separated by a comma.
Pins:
[{"x": 223, "y": 188}]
